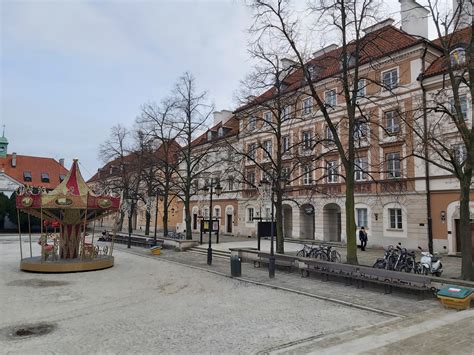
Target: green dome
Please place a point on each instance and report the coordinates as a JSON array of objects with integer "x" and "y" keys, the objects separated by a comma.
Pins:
[{"x": 3, "y": 140}]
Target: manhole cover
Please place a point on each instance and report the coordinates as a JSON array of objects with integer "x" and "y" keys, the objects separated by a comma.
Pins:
[
  {"x": 30, "y": 330},
  {"x": 37, "y": 283}
]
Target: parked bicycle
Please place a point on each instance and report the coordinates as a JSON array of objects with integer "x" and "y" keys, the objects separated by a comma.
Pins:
[
  {"x": 328, "y": 253},
  {"x": 307, "y": 251},
  {"x": 176, "y": 235}
]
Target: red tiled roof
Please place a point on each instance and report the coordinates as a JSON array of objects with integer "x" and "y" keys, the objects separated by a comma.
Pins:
[
  {"x": 377, "y": 44},
  {"x": 232, "y": 126},
  {"x": 439, "y": 65},
  {"x": 36, "y": 166}
]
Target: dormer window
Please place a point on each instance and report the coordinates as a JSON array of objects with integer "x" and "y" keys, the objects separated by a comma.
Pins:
[
  {"x": 27, "y": 176},
  {"x": 44, "y": 177},
  {"x": 61, "y": 177},
  {"x": 209, "y": 135},
  {"x": 220, "y": 132}
]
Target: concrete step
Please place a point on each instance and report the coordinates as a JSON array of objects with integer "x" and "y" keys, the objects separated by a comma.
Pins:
[{"x": 215, "y": 253}]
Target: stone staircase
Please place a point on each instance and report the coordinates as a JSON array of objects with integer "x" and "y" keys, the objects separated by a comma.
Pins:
[{"x": 202, "y": 249}]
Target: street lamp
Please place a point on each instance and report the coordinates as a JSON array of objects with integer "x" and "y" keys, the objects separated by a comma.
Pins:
[
  {"x": 211, "y": 187},
  {"x": 281, "y": 182},
  {"x": 159, "y": 196}
]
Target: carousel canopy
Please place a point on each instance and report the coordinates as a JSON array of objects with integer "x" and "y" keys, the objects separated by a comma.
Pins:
[{"x": 72, "y": 194}]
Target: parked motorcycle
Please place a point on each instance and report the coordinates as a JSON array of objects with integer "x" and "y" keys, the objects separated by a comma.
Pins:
[{"x": 429, "y": 264}]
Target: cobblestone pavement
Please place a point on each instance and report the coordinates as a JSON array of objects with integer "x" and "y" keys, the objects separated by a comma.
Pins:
[
  {"x": 176, "y": 303},
  {"x": 142, "y": 305}
]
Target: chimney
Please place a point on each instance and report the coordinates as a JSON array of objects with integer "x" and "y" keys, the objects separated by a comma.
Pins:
[
  {"x": 287, "y": 63},
  {"x": 464, "y": 14},
  {"x": 13, "y": 159},
  {"x": 378, "y": 25},
  {"x": 61, "y": 161},
  {"x": 221, "y": 116},
  {"x": 324, "y": 50},
  {"x": 414, "y": 18}
]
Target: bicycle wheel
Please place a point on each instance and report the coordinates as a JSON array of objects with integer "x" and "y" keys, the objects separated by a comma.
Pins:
[
  {"x": 335, "y": 257},
  {"x": 301, "y": 253},
  {"x": 321, "y": 256},
  {"x": 380, "y": 264},
  {"x": 418, "y": 269}
]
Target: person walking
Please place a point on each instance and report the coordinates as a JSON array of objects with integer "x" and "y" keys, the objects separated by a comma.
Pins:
[{"x": 363, "y": 238}]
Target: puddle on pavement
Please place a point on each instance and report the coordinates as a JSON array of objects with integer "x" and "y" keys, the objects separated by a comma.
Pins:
[
  {"x": 37, "y": 283},
  {"x": 24, "y": 331}
]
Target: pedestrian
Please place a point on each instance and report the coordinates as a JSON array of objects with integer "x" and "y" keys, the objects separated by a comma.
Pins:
[{"x": 363, "y": 238}]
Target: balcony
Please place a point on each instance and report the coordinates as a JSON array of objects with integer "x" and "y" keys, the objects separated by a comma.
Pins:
[{"x": 363, "y": 187}]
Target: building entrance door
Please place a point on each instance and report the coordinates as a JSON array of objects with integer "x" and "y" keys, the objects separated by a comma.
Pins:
[
  {"x": 228, "y": 223},
  {"x": 195, "y": 223},
  {"x": 458, "y": 236}
]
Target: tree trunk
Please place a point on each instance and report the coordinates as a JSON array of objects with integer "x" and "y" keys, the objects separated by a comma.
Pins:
[
  {"x": 187, "y": 219},
  {"x": 280, "y": 241},
  {"x": 165, "y": 215},
  {"x": 467, "y": 267},
  {"x": 147, "y": 222},
  {"x": 122, "y": 217},
  {"x": 350, "y": 220}
]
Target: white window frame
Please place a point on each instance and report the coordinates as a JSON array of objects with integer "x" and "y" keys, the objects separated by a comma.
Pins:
[
  {"x": 307, "y": 174},
  {"x": 361, "y": 165},
  {"x": 286, "y": 112},
  {"x": 464, "y": 106},
  {"x": 251, "y": 152},
  {"x": 250, "y": 214},
  {"x": 391, "y": 85},
  {"x": 361, "y": 88},
  {"x": 460, "y": 152},
  {"x": 365, "y": 218},
  {"x": 392, "y": 117},
  {"x": 267, "y": 118},
  {"x": 331, "y": 172},
  {"x": 330, "y": 97},
  {"x": 361, "y": 129},
  {"x": 307, "y": 105},
  {"x": 250, "y": 182},
  {"x": 252, "y": 124},
  {"x": 286, "y": 174},
  {"x": 391, "y": 161},
  {"x": 307, "y": 140},
  {"x": 395, "y": 218},
  {"x": 285, "y": 142},
  {"x": 267, "y": 149},
  {"x": 329, "y": 136}
]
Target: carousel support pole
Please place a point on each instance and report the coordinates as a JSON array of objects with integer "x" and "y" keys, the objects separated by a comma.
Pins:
[
  {"x": 41, "y": 235},
  {"x": 19, "y": 233},
  {"x": 29, "y": 233},
  {"x": 114, "y": 232},
  {"x": 93, "y": 228},
  {"x": 84, "y": 235}
]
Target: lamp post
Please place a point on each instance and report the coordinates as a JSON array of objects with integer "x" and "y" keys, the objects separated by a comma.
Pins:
[
  {"x": 271, "y": 260},
  {"x": 158, "y": 196},
  {"x": 211, "y": 187}
]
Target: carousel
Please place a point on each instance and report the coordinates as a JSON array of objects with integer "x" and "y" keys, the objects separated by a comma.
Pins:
[{"x": 65, "y": 213}]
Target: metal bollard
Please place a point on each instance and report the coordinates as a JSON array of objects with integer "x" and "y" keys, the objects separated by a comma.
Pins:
[{"x": 235, "y": 266}]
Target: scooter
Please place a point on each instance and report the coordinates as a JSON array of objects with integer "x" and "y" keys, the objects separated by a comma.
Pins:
[{"x": 429, "y": 264}]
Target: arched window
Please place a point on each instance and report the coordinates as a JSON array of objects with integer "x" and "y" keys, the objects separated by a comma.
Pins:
[{"x": 457, "y": 56}]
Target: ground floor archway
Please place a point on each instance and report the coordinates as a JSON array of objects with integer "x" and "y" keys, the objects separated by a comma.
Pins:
[
  {"x": 307, "y": 221},
  {"x": 332, "y": 222},
  {"x": 287, "y": 221}
]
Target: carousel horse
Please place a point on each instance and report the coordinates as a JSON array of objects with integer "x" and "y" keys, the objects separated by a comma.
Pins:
[{"x": 48, "y": 249}]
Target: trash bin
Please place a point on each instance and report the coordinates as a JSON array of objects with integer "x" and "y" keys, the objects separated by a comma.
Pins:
[
  {"x": 456, "y": 297},
  {"x": 235, "y": 266}
]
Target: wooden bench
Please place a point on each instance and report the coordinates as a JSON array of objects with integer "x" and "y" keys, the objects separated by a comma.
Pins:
[
  {"x": 287, "y": 261},
  {"x": 363, "y": 274}
]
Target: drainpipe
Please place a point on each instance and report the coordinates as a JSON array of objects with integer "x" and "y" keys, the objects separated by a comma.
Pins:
[{"x": 426, "y": 153}]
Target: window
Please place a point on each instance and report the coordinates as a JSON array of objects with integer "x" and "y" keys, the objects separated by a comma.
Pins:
[
  {"x": 360, "y": 130},
  {"x": 209, "y": 135},
  {"x": 251, "y": 148},
  {"x": 267, "y": 118},
  {"x": 61, "y": 177},
  {"x": 361, "y": 165},
  {"x": 252, "y": 123},
  {"x": 250, "y": 213},
  {"x": 231, "y": 183},
  {"x": 286, "y": 113},
  {"x": 307, "y": 105},
  {"x": 267, "y": 148},
  {"x": 331, "y": 171},
  {"x": 329, "y": 136},
  {"x": 392, "y": 124},
  {"x": 463, "y": 103},
  {"x": 196, "y": 184},
  {"x": 251, "y": 179},
  {"x": 307, "y": 173},
  {"x": 390, "y": 79},
  {"x": 393, "y": 165},
  {"x": 361, "y": 88},
  {"x": 206, "y": 212},
  {"x": 27, "y": 176},
  {"x": 361, "y": 217},
  {"x": 268, "y": 213},
  {"x": 457, "y": 56},
  {"x": 460, "y": 153},
  {"x": 220, "y": 132},
  {"x": 285, "y": 174},
  {"x": 330, "y": 98},
  {"x": 44, "y": 177},
  {"x": 395, "y": 215},
  {"x": 217, "y": 211},
  {"x": 307, "y": 140},
  {"x": 285, "y": 142}
]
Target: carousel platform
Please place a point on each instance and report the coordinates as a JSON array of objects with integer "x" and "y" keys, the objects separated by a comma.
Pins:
[{"x": 35, "y": 264}]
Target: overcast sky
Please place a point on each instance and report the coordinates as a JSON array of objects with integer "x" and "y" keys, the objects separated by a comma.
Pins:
[{"x": 72, "y": 69}]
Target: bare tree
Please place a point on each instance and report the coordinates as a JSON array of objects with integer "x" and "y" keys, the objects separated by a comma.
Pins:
[
  {"x": 347, "y": 19},
  {"x": 159, "y": 122},
  {"x": 192, "y": 112},
  {"x": 443, "y": 129}
]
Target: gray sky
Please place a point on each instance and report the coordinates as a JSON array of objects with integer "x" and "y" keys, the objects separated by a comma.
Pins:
[{"x": 72, "y": 69}]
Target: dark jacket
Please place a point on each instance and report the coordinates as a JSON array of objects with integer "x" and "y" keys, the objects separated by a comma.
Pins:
[{"x": 363, "y": 235}]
